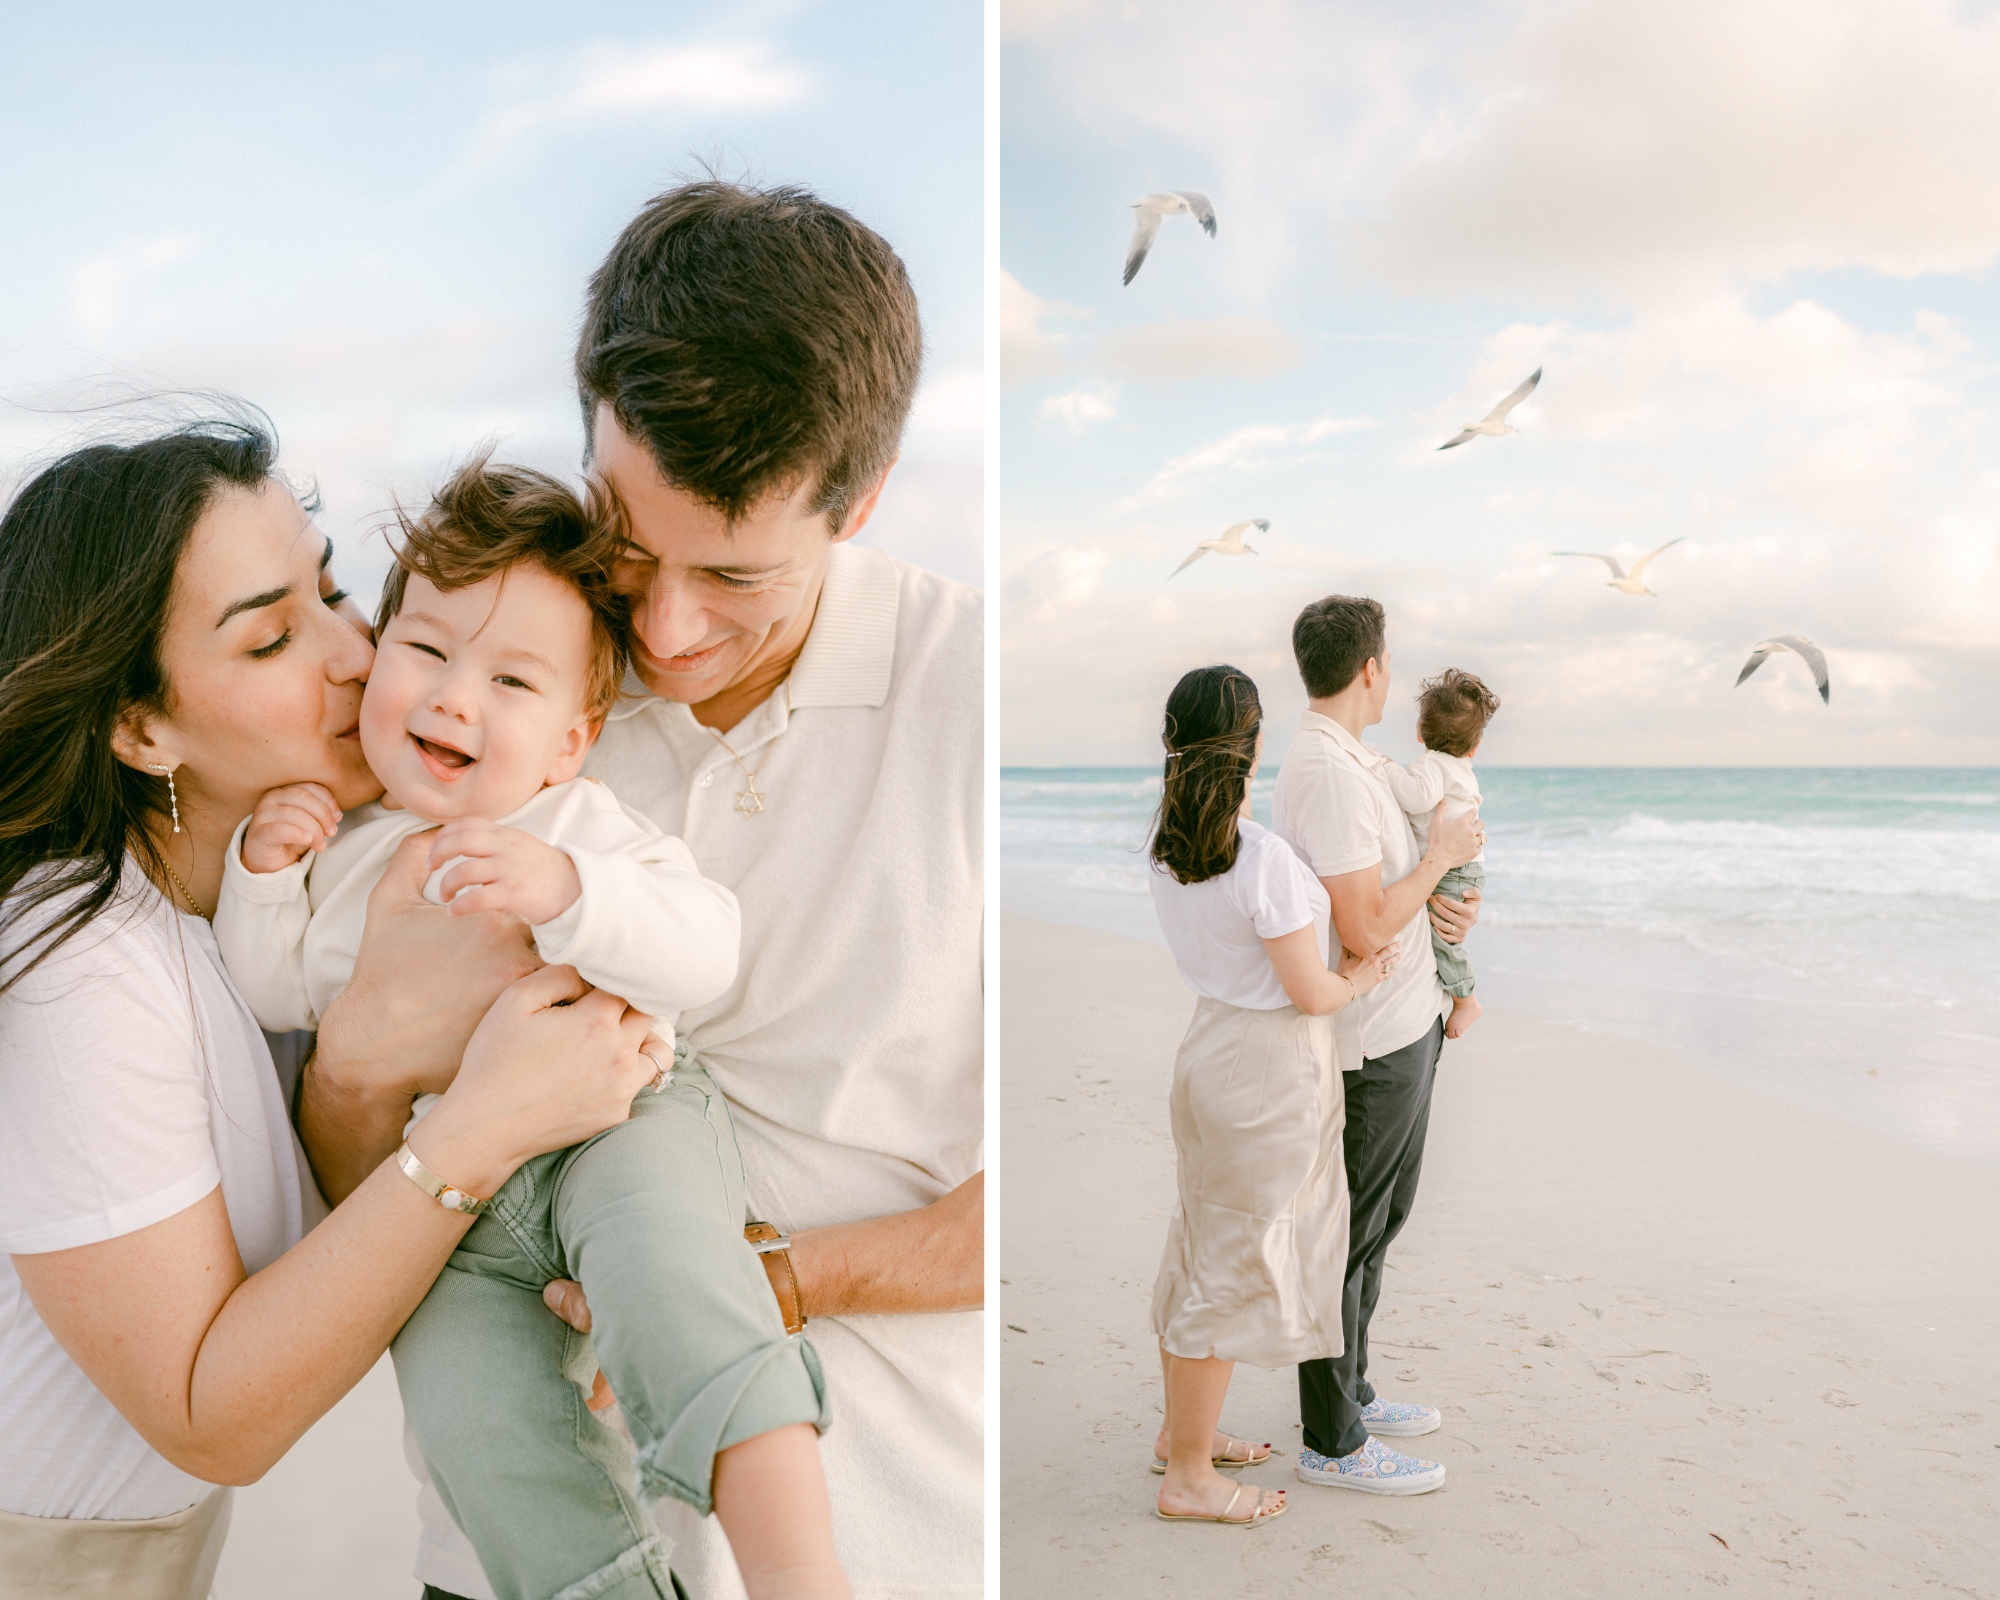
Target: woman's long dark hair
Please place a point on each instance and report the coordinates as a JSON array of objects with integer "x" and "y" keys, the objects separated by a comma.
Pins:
[
  {"x": 88, "y": 554},
  {"x": 1210, "y": 732}
]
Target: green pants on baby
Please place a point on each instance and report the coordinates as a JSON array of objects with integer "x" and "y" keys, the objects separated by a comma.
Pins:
[
  {"x": 648, "y": 1217},
  {"x": 1454, "y": 971}
]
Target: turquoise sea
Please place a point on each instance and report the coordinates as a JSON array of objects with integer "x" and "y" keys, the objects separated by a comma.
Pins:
[{"x": 1826, "y": 936}]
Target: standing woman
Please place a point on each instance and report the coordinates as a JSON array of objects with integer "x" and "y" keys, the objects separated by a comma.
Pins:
[
  {"x": 1257, "y": 1253},
  {"x": 171, "y": 645}
]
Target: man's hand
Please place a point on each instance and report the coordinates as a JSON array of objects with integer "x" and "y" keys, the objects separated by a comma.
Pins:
[
  {"x": 1453, "y": 919},
  {"x": 288, "y": 823},
  {"x": 504, "y": 870}
]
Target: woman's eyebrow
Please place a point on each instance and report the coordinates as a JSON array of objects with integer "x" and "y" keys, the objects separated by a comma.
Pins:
[{"x": 269, "y": 597}]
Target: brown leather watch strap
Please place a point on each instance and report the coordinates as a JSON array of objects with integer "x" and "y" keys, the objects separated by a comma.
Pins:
[{"x": 778, "y": 1268}]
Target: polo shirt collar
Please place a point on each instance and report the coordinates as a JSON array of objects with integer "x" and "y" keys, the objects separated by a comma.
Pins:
[
  {"x": 1366, "y": 754},
  {"x": 849, "y": 655},
  {"x": 852, "y": 647}
]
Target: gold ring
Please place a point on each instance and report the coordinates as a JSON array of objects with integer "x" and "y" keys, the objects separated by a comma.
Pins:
[{"x": 659, "y": 1078}]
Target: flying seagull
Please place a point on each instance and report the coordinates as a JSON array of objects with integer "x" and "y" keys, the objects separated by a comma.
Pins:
[
  {"x": 1495, "y": 421},
  {"x": 1625, "y": 582},
  {"x": 1146, "y": 227},
  {"x": 1799, "y": 647},
  {"x": 1230, "y": 544}
]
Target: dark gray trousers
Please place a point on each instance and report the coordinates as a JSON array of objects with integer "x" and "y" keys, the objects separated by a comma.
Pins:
[{"x": 1388, "y": 1113}]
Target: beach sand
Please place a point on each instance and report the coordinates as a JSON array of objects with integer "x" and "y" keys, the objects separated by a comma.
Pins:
[
  {"x": 1683, "y": 1337},
  {"x": 337, "y": 1518}
]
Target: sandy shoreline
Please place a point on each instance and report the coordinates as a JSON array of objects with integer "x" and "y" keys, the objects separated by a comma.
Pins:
[{"x": 1659, "y": 1313}]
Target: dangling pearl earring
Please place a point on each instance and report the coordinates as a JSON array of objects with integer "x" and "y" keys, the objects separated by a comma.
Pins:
[{"x": 173, "y": 800}]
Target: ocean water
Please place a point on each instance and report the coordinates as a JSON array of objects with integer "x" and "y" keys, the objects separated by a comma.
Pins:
[{"x": 1829, "y": 937}]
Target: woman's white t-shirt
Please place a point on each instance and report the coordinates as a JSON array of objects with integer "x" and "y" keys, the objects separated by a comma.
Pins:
[
  {"x": 133, "y": 1080},
  {"x": 1216, "y": 929}
]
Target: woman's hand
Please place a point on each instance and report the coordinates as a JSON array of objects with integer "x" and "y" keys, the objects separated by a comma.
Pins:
[
  {"x": 1455, "y": 840},
  {"x": 552, "y": 1064},
  {"x": 1369, "y": 972}
]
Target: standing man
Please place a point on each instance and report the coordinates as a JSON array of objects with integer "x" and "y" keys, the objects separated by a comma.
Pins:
[
  {"x": 1333, "y": 806},
  {"x": 807, "y": 715}
]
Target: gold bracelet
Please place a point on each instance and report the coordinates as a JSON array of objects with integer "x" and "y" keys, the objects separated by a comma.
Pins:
[{"x": 444, "y": 1194}]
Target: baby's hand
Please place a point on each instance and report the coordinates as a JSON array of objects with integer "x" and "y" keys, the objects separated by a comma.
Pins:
[
  {"x": 287, "y": 824},
  {"x": 505, "y": 870}
]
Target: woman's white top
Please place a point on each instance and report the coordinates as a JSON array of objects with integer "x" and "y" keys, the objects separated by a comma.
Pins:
[
  {"x": 133, "y": 1081},
  {"x": 1434, "y": 779},
  {"x": 1216, "y": 929}
]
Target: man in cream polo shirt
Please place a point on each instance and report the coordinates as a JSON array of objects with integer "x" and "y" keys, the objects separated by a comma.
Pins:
[
  {"x": 808, "y": 716},
  {"x": 1334, "y": 808}
]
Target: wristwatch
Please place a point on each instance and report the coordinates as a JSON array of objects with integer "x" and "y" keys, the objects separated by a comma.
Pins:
[
  {"x": 434, "y": 1186},
  {"x": 774, "y": 1249}
]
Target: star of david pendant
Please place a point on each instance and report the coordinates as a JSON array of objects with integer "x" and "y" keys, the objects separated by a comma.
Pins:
[{"x": 749, "y": 801}]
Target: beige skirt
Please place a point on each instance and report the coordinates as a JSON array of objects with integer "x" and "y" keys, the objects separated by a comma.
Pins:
[
  {"x": 1257, "y": 1250},
  {"x": 160, "y": 1558}
]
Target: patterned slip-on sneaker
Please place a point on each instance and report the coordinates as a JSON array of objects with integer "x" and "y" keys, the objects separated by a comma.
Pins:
[
  {"x": 1373, "y": 1469},
  {"x": 1391, "y": 1419}
]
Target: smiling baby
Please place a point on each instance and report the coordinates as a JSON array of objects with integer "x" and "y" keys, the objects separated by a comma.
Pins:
[{"x": 499, "y": 651}]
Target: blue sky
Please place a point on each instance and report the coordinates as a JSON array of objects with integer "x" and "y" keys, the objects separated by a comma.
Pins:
[
  {"x": 1752, "y": 246},
  {"x": 376, "y": 220}
]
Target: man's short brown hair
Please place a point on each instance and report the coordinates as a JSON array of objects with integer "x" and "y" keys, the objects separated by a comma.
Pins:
[
  {"x": 1334, "y": 639},
  {"x": 756, "y": 340},
  {"x": 488, "y": 519},
  {"x": 1452, "y": 712}
]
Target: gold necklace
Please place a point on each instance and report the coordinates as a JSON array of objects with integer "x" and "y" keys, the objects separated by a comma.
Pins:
[
  {"x": 748, "y": 801},
  {"x": 187, "y": 894}
]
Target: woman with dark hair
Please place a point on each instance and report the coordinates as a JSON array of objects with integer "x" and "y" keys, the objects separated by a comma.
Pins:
[
  {"x": 171, "y": 646},
  {"x": 1257, "y": 1251}
]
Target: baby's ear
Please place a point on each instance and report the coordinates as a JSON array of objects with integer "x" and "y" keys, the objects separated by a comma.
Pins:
[{"x": 575, "y": 745}]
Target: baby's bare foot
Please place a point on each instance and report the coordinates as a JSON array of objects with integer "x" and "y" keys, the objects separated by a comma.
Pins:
[{"x": 1465, "y": 1011}]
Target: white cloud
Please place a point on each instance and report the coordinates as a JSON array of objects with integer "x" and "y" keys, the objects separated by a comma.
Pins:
[
  {"x": 1247, "y": 449},
  {"x": 1027, "y": 350},
  {"x": 1080, "y": 409},
  {"x": 604, "y": 82},
  {"x": 102, "y": 288},
  {"x": 1668, "y": 149},
  {"x": 950, "y": 411},
  {"x": 1173, "y": 352}
]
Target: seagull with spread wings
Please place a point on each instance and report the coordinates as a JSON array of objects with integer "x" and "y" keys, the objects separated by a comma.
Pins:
[
  {"x": 1495, "y": 423},
  {"x": 1230, "y": 544},
  {"x": 1799, "y": 646},
  {"x": 1146, "y": 226},
  {"x": 1625, "y": 582}
]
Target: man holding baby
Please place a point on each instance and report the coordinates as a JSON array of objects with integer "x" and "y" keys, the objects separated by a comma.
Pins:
[
  {"x": 1337, "y": 806},
  {"x": 807, "y": 716}
]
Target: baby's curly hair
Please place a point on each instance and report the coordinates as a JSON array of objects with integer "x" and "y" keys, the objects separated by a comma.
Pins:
[
  {"x": 1452, "y": 712},
  {"x": 489, "y": 518}
]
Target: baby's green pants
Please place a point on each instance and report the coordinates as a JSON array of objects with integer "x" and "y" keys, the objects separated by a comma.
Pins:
[
  {"x": 1454, "y": 971},
  {"x": 648, "y": 1217}
]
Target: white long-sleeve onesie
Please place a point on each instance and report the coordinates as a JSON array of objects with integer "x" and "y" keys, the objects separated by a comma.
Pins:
[
  {"x": 1434, "y": 779},
  {"x": 648, "y": 927}
]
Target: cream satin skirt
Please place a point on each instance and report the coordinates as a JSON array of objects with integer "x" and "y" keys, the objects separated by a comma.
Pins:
[
  {"x": 1257, "y": 1250},
  {"x": 161, "y": 1558}
]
